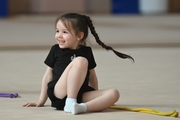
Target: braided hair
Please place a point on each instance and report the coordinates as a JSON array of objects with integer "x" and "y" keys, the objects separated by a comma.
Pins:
[{"x": 80, "y": 23}]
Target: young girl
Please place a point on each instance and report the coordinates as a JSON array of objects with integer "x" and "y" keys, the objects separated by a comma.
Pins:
[{"x": 70, "y": 79}]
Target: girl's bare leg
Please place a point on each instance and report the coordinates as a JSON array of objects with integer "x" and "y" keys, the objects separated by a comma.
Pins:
[
  {"x": 71, "y": 80},
  {"x": 100, "y": 100}
]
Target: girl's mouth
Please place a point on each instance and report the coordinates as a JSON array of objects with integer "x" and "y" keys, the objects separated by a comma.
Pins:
[{"x": 61, "y": 41}]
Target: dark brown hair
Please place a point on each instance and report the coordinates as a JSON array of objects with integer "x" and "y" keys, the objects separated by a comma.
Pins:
[{"x": 80, "y": 23}]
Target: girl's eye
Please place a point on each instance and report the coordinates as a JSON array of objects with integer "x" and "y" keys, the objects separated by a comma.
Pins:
[
  {"x": 57, "y": 31},
  {"x": 65, "y": 32}
]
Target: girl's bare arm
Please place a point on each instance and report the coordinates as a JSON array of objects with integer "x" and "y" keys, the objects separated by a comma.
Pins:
[
  {"x": 43, "y": 94},
  {"x": 46, "y": 79}
]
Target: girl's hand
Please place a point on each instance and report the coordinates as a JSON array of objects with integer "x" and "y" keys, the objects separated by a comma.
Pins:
[{"x": 33, "y": 105}]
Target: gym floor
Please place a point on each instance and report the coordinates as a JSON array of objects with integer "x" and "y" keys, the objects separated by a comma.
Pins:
[{"x": 151, "y": 82}]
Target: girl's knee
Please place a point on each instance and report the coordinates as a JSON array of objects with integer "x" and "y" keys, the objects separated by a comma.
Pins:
[
  {"x": 80, "y": 61},
  {"x": 114, "y": 93}
]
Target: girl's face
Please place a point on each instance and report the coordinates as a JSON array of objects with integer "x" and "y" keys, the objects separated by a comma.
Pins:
[{"x": 66, "y": 38}]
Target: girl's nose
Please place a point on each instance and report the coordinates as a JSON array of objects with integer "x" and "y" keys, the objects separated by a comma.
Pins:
[{"x": 60, "y": 35}]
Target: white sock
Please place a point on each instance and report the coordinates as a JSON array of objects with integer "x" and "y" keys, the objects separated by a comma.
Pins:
[
  {"x": 68, "y": 104},
  {"x": 78, "y": 108}
]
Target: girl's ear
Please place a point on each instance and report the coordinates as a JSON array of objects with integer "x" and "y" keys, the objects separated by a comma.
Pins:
[{"x": 80, "y": 36}]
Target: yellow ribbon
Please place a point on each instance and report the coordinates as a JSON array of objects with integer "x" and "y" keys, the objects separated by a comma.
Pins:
[{"x": 174, "y": 113}]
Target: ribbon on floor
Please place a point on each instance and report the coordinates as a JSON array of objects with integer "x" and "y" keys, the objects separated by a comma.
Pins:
[
  {"x": 9, "y": 95},
  {"x": 174, "y": 113}
]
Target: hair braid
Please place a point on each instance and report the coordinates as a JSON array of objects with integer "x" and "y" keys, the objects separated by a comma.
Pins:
[{"x": 92, "y": 29}]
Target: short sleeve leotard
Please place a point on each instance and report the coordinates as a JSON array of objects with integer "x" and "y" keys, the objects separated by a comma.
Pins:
[{"x": 59, "y": 59}]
